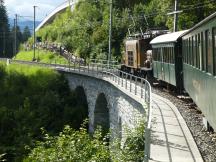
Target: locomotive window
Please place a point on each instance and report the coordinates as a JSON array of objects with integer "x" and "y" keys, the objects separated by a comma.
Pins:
[
  {"x": 214, "y": 48},
  {"x": 130, "y": 58}
]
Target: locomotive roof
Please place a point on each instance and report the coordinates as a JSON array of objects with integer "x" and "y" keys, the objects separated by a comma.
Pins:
[{"x": 168, "y": 38}]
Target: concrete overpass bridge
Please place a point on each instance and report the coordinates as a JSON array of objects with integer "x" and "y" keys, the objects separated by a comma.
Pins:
[{"x": 61, "y": 8}]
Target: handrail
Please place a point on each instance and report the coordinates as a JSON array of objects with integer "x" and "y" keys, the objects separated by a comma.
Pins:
[{"x": 136, "y": 85}]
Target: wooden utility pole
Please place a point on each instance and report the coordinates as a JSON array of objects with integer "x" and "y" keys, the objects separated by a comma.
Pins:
[
  {"x": 176, "y": 17},
  {"x": 110, "y": 33},
  {"x": 34, "y": 33},
  {"x": 175, "y": 13},
  {"x": 15, "y": 35},
  {"x": 4, "y": 42}
]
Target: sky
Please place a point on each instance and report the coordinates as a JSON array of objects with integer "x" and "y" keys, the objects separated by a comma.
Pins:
[{"x": 25, "y": 8}]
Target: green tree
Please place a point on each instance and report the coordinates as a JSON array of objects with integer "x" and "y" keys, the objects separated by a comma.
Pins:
[
  {"x": 19, "y": 37},
  {"x": 85, "y": 30},
  {"x": 26, "y": 34},
  {"x": 5, "y": 35}
]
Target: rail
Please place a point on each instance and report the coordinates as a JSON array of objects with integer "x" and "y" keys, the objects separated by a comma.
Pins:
[{"x": 136, "y": 85}]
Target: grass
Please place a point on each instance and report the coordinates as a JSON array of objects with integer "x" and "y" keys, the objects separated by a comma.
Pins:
[
  {"x": 41, "y": 56},
  {"x": 28, "y": 70}
]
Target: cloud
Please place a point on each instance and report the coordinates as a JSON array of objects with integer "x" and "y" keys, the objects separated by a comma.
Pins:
[{"x": 25, "y": 7}]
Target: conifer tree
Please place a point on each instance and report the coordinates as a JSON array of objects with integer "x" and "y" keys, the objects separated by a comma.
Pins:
[
  {"x": 26, "y": 34},
  {"x": 5, "y": 35}
]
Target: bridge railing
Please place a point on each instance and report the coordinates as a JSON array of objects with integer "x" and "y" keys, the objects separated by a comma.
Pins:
[{"x": 135, "y": 85}]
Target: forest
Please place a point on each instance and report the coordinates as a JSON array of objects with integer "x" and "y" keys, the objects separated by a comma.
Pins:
[
  {"x": 85, "y": 30},
  {"x": 7, "y": 34}
]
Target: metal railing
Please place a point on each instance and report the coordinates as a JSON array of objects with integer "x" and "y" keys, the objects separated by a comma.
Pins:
[{"x": 135, "y": 85}]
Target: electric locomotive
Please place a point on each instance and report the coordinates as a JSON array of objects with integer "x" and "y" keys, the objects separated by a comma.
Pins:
[{"x": 138, "y": 53}]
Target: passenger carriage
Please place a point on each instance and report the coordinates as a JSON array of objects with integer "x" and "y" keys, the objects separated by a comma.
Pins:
[
  {"x": 167, "y": 58},
  {"x": 199, "y": 66}
]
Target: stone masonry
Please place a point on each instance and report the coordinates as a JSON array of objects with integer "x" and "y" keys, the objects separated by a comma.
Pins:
[{"x": 124, "y": 111}]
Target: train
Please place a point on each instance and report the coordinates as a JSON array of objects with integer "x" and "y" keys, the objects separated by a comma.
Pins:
[{"x": 186, "y": 60}]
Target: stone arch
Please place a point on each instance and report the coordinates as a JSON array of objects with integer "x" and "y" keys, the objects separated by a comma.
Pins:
[
  {"x": 81, "y": 104},
  {"x": 101, "y": 113}
]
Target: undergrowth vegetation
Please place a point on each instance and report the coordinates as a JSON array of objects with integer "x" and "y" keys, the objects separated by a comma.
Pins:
[
  {"x": 78, "y": 146},
  {"x": 33, "y": 98}
]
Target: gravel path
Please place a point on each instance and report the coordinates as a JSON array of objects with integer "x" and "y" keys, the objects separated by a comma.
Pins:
[{"x": 206, "y": 141}]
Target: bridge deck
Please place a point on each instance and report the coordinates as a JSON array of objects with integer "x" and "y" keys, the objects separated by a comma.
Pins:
[{"x": 171, "y": 140}]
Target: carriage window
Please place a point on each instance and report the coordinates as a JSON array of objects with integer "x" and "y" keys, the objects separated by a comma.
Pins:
[
  {"x": 185, "y": 51},
  {"x": 164, "y": 54},
  {"x": 159, "y": 54},
  {"x": 153, "y": 54},
  {"x": 167, "y": 55},
  {"x": 204, "y": 51},
  {"x": 214, "y": 48},
  {"x": 167, "y": 51},
  {"x": 184, "y": 54},
  {"x": 209, "y": 52},
  {"x": 188, "y": 51},
  {"x": 172, "y": 55},
  {"x": 199, "y": 52},
  {"x": 130, "y": 58},
  {"x": 194, "y": 52}
]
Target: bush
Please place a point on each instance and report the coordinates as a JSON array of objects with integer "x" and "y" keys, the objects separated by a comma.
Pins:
[
  {"x": 79, "y": 146},
  {"x": 31, "y": 98},
  {"x": 71, "y": 145}
]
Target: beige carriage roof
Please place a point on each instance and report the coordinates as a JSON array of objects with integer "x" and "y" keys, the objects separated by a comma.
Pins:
[{"x": 168, "y": 38}]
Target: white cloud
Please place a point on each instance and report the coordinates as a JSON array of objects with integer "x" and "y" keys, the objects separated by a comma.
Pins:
[{"x": 25, "y": 7}]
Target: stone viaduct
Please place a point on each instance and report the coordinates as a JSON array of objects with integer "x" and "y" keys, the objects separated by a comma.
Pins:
[{"x": 109, "y": 106}]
